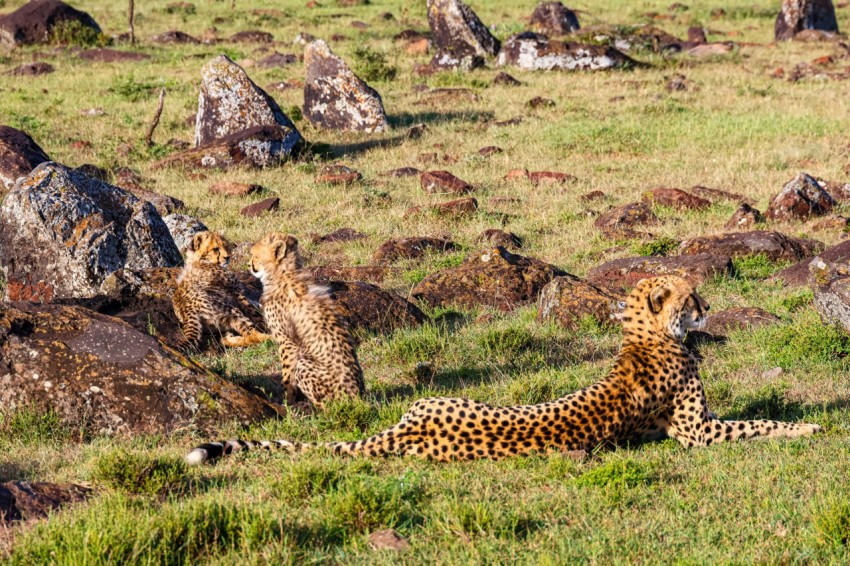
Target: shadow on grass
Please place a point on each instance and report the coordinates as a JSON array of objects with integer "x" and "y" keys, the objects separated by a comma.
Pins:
[
  {"x": 406, "y": 119},
  {"x": 772, "y": 405}
]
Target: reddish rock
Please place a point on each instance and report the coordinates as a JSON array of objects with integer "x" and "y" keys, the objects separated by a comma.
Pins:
[
  {"x": 335, "y": 98},
  {"x": 233, "y": 189},
  {"x": 534, "y": 52},
  {"x": 443, "y": 182},
  {"x": 410, "y": 248},
  {"x": 19, "y": 154},
  {"x": 623, "y": 274},
  {"x": 540, "y": 102},
  {"x": 774, "y": 245},
  {"x": 708, "y": 193},
  {"x": 252, "y": 36},
  {"x": 340, "y": 235},
  {"x": 839, "y": 191},
  {"x": 550, "y": 178},
  {"x": 738, "y": 318},
  {"x": 277, "y": 60},
  {"x": 34, "y": 69},
  {"x": 229, "y": 104},
  {"x": 174, "y": 37},
  {"x": 260, "y": 208},
  {"x": 831, "y": 222},
  {"x": 619, "y": 222},
  {"x": 419, "y": 46},
  {"x": 35, "y": 21},
  {"x": 371, "y": 273},
  {"x": 496, "y": 237},
  {"x": 338, "y": 175},
  {"x": 103, "y": 55},
  {"x": 402, "y": 172},
  {"x": 369, "y": 308},
  {"x": 27, "y": 501},
  {"x": 674, "y": 198},
  {"x": 744, "y": 218},
  {"x": 796, "y": 16},
  {"x": 567, "y": 300},
  {"x": 490, "y": 150},
  {"x": 456, "y": 208},
  {"x": 504, "y": 79},
  {"x": 799, "y": 199},
  {"x": 259, "y": 147},
  {"x": 516, "y": 174},
  {"x": 554, "y": 18},
  {"x": 798, "y": 274},
  {"x": 592, "y": 196},
  {"x": 388, "y": 539},
  {"x": 496, "y": 279}
]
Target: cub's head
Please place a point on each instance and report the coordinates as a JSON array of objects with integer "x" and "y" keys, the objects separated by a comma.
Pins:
[
  {"x": 275, "y": 253},
  {"x": 207, "y": 247},
  {"x": 666, "y": 305}
]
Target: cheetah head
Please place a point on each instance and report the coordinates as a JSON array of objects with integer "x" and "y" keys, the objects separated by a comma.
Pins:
[
  {"x": 207, "y": 247},
  {"x": 275, "y": 253},
  {"x": 667, "y": 305}
]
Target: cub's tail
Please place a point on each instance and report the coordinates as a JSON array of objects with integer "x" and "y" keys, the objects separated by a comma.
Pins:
[{"x": 381, "y": 444}]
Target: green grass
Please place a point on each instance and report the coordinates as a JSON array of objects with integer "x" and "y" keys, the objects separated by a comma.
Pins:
[{"x": 735, "y": 128}]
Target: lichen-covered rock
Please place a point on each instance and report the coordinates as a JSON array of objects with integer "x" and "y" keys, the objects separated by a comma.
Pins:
[
  {"x": 620, "y": 222},
  {"x": 64, "y": 232},
  {"x": 230, "y": 102},
  {"x": 19, "y": 154},
  {"x": 337, "y": 99},
  {"x": 800, "y": 198},
  {"x": 797, "y": 275},
  {"x": 798, "y": 15},
  {"x": 259, "y": 147},
  {"x": 496, "y": 278},
  {"x": 28, "y": 501},
  {"x": 567, "y": 300},
  {"x": 554, "y": 18},
  {"x": 774, "y": 245},
  {"x": 831, "y": 286},
  {"x": 535, "y": 52},
  {"x": 456, "y": 29},
  {"x": 35, "y": 21},
  {"x": 369, "y": 308},
  {"x": 623, "y": 274},
  {"x": 100, "y": 374},
  {"x": 183, "y": 228}
]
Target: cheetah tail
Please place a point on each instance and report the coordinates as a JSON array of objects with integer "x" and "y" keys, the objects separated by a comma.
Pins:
[{"x": 214, "y": 450}]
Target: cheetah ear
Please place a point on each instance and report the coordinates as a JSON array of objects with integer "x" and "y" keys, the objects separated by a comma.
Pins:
[
  {"x": 195, "y": 242},
  {"x": 657, "y": 297},
  {"x": 291, "y": 244},
  {"x": 288, "y": 246}
]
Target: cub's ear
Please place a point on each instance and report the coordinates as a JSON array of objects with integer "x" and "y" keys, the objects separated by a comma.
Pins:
[
  {"x": 291, "y": 244},
  {"x": 196, "y": 241},
  {"x": 657, "y": 297},
  {"x": 286, "y": 246}
]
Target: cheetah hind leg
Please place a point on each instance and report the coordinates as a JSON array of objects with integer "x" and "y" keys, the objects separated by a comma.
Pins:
[
  {"x": 192, "y": 328},
  {"x": 247, "y": 332}
]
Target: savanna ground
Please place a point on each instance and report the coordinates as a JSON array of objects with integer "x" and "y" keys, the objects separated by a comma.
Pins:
[{"x": 735, "y": 128}]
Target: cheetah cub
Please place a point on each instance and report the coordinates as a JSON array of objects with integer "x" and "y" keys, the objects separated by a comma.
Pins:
[
  {"x": 654, "y": 387},
  {"x": 317, "y": 354},
  {"x": 209, "y": 295}
]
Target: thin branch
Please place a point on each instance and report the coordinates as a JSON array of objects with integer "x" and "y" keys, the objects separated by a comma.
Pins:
[{"x": 155, "y": 122}]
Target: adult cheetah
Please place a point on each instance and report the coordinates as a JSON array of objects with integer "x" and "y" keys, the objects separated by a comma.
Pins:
[
  {"x": 208, "y": 294},
  {"x": 653, "y": 388},
  {"x": 317, "y": 353}
]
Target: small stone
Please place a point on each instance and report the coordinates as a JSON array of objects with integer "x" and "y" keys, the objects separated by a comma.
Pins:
[
  {"x": 232, "y": 189},
  {"x": 744, "y": 218},
  {"x": 402, "y": 172},
  {"x": 34, "y": 69},
  {"x": 443, "y": 182},
  {"x": 679, "y": 83},
  {"x": 496, "y": 237},
  {"x": 456, "y": 28},
  {"x": 832, "y": 222},
  {"x": 103, "y": 55},
  {"x": 711, "y": 49},
  {"x": 516, "y": 174},
  {"x": 554, "y": 18},
  {"x": 421, "y": 46},
  {"x": 674, "y": 198},
  {"x": 416, "y": 131},
  {"x": 592, "y": 196},
  {"x": 338, "y": 175},
  {"x": 706, "y": 192},
  {"x": 619, "y": 222},
  {"x": 174, "y": 37},
  {"x": 738, "y": 318},
  {"x": 252, "y": 36},
  {"x": 550, "y": 178},
  {"x": 540, "y": 102},
  {"x": 277, "y": 60},
  {"x": 456, "y": 208},
  {"x": 260, "y": 208},
  {"x": 515, "y": 121},
  {"x": 340, "y": 235},
  {"x": 799, "y": 199},
  {"x": 410, "y": 248},
  {"x": 772, "y": 373},
  {"x": 388, "y": 539},
  {"x": 489, "y": 150},
  {"x": 505, "y": 79}
]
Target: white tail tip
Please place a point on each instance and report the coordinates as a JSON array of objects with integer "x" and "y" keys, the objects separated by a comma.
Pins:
[{"x": 197, "y": 457}]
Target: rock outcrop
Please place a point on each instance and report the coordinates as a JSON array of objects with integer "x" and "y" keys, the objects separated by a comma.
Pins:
[
  {"x": 623, "y": 274},
  {"x": 230, "y": 102},
  {"x": 831, "y": 285},
  {"x": 19, "y": 155},
  {"x": 554, "y": 18},
  {"x": 100, "y": 374},
  {"x": 774, "y": 245},
  {"x": 535, "y": 52},
  {"x": 567, "y": 300},
  {"x": 797, "y": 275},
  {"x": 456, "y": 29},
  {"x": 496, "y": 278},
  {"x": 64, "y": 233},
  {"x": 35, "y": 21},
  {"x": 337, "y": 99},
  {"x": 798, "y": 15},
  {"x": 800, "y": 198}
]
